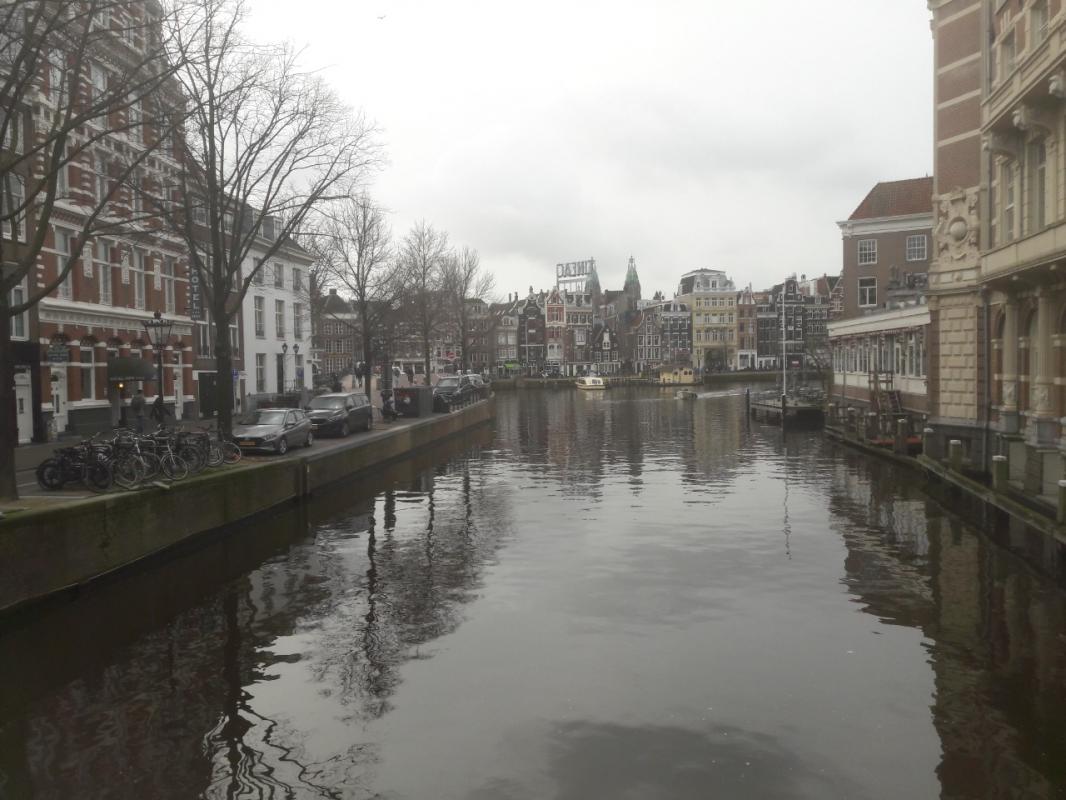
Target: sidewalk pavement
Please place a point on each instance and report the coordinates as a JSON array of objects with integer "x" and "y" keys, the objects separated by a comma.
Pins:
[{"x": 28, "y": 456}]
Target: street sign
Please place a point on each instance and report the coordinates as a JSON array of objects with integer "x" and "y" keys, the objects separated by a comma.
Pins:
[{"x": 58, "y": 353}]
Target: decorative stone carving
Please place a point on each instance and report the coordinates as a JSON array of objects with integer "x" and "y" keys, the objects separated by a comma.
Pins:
[
  {"x": 126, "y": 267},
  {"x": 87, "y": 265},
  {"x": 1001, "y": 144},
  {"x": 1057, "y": 85},
  {"x": 1010, "y": 393},
  {"x": 1032, "y": 120},
  {"x": 157, "y": 277},
  {"x": 1040, "y": 397},
  {"x": 957, "y": 225}
]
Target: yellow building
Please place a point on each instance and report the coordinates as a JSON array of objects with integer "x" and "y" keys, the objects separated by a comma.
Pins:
[{"x": 712, "y": 299}]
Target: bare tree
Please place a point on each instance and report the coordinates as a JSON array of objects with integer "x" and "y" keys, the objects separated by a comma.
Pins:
[
  {"x": 422, "y": 261},
  {"x": 268, "y": 144},
  {"x": 74, "y": 74},
  {"x": 465, "y": 283},
  {"x": 355, "y": 245}
]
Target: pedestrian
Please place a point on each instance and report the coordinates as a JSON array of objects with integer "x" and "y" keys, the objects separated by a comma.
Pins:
[
  {"x": 410, "y": 375},
  {"x": 359, "y": 374},
  {"x": 137, "y": 409},
  {"x": 159, "y": 411}
]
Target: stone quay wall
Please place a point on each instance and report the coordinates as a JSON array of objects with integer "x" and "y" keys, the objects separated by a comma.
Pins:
[{"x": 50, "y": 551}]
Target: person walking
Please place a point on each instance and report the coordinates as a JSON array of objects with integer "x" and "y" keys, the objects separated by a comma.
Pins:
[
  {"x": 137, "y": 409},
  {"x": 410, "y": 371},
  {"x": 159, "y": 411}
]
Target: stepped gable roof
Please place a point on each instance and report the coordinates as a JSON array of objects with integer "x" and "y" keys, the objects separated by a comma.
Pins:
[{"x": 897, "y": 199}]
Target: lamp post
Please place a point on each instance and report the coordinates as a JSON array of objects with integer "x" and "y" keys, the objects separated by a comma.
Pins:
[
  {"x": 297, "y": 378},
  {"x": 158, "y": 331},
  {"x": 284, "y": 352}
]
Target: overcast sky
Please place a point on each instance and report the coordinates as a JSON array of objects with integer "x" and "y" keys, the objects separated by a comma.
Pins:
[{"x": 688, "y": 134}]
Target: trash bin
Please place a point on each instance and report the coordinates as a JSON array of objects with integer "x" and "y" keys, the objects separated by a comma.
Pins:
[{"x": 414, "y": 401}]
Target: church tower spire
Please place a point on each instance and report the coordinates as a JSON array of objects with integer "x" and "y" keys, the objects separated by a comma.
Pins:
[{"x": 632, "y": 284}]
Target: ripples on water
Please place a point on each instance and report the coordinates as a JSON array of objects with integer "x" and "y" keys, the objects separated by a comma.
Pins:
[{"x": 611, "y": 596}]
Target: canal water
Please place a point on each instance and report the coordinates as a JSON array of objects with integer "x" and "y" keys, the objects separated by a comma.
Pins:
[{"x": 616, "y": 595}]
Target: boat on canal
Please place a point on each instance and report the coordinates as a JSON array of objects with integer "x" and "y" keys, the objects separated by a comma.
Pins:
[
  {"x": 685, "y": 394},
  {"x": 590, "y": 382}
]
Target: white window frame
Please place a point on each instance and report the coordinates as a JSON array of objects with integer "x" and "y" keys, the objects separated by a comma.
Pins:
[
  {"x": 169, "y": 272},
  {"x": 17, "y": 190},
  {"x": 279, "y": 319},
  {"x": 260, "y": 372},
  {"x": 297, "y": 322},
  {"x": 138, "y": 270},
  {"x": 259, "y": 305},
  {"x": 90, "y": 367},
  {"x": 279, "y": 276},
  {"x": 866, "y": 285},
  {"x": 1039, "y": 21},
  {"x": 64, "y": 245},
  {"x": 257, "y": 272},
  {"x": 97, "y": 81},
  {"x": 18, "y": 324},
  {"x": 866, "y": 252},
  {"x": 103, "y": 269},
  {"x": 917, "y": 247}
]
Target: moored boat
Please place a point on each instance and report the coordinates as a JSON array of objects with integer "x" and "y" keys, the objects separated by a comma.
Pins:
[{"x": 590, "y": 382}]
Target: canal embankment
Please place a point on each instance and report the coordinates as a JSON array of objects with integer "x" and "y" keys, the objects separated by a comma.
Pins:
[{"x": 49, "y": 551}]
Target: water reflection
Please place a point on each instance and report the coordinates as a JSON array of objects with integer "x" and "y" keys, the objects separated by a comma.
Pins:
[{"x": 610, "y": 596}]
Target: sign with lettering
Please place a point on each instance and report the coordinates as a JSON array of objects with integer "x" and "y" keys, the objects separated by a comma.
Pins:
[
  {"x": 196, "y": 297},
  {"x": 575, "y": 269},
  {"x": 58, "y": 353}
]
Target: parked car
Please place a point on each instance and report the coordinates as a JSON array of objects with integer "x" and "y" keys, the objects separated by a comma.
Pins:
[
  {"x": 454, "y": 390},
  {"x": 340, "y": 413},
  {"x": 274, "y": 429}
]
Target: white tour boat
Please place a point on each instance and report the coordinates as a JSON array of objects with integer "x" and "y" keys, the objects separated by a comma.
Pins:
[{"x": 591, "y": 382}]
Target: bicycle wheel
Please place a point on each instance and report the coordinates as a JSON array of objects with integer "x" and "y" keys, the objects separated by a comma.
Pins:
[
  {"x": 173, "y": 467},
  {"x": 214, "y": 455},
  {"x": 231, "y": 454},
  {"x": 194, "y": 457},
  {"x": 50, "y": 475},
  {"x": 96, "y": 475},
  {"x": 128, "y": 472}
]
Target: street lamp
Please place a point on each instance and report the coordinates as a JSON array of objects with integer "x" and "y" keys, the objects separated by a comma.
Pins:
[{"x": 158, "y": 331}]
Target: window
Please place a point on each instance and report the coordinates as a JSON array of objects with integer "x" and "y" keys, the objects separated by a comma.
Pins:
[
  {"x": 203, "y": 339},
  {"x": 14, "y": 197},
  {"x": 260, "y": 323},
  {"x": 102, "y": 19},
  {"x": 297, "y": 280},
  {"x": 18, "y": 323},
  {"x": 234, "y": 341},
  {"x": 297, "y": 321},
  {"x": 1006, "y": 55},
  {"x": 1038, "y": 21},
  {"x": 279, "y": 318},
  {"x": 257, "y": 271},
  {"x": 260, "y": 372},
  {"x": 64, "y": 247},
  {"x": 97, "y": 81},
  {"x": 135, "y": 118},
  {"x": 268, "y": 228},
  {"x": 138, "y": 279},
  {"x": 1008, "y": 202},
  {"x": 168, "y": 284},
  {"x": 299, "y": 360},
  {"x": 57, "y": 79},
  {"x": 867, "y": 251},
  {"x": 916, "y": 247},
  {"x": 867, "y": 292},
  {"x": 102, "y": 256},
  {"x": 88, "y": 373},
  {"x": 13, "y": 132},
  {"x": 279, "y": 277},
  {"x": 1038, "y": 160},
  {"x": 102, "y": 180}
]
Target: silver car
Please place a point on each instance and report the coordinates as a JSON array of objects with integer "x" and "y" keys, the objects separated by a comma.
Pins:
[{"x": 274, "y": 429}]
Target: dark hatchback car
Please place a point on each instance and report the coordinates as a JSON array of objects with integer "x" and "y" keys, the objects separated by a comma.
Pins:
[
  {"x": 454, "y": 390},
  {"x": 340, "y": 413}
]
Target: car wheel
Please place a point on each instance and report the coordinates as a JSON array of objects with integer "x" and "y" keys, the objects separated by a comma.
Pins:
[
  {"x": 310, "y": 439},
  {"x": 345, "y": 430},
  {"x": 282, "y": 446}
]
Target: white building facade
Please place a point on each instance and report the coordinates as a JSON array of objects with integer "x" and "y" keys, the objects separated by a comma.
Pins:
[{"x": 276, "y": 321}]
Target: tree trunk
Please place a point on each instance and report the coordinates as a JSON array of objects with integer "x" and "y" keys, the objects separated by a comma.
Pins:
[
  {"x": 8, "y": 422},
  {"x": 425, "y": 352},
  {"x": 223, "y": 373},
  {"x": 368, "y": 360}
]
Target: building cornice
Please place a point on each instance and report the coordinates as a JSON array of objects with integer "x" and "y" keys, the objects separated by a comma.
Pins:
[
  {"x": 91, "y": 315},
  {"x": 889, "y": 319},
  {"x": 895, "y": 224}
]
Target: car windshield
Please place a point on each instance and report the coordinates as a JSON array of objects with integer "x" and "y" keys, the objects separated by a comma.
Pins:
[
  {"x": 445, "y": 383},
  {"x": 327, "y": 402},
  {"x": 268, "y": 416}
]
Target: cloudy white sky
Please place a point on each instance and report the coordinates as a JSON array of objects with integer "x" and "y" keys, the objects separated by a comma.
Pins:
[{"x": 687, "y": 133}]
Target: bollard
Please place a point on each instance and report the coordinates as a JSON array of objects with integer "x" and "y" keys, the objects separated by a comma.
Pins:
[
  {"x": 955, "y": 455},
  {"x": 1000, "y": 473},
  {"x": 1060, "y": 515},
  {"x": 900, "y": 443}
]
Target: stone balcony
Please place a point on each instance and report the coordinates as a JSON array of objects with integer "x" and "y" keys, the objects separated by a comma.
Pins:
[
  {"x": 1025, "y": 257},
  {"x": 1038, "y": 79}
]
